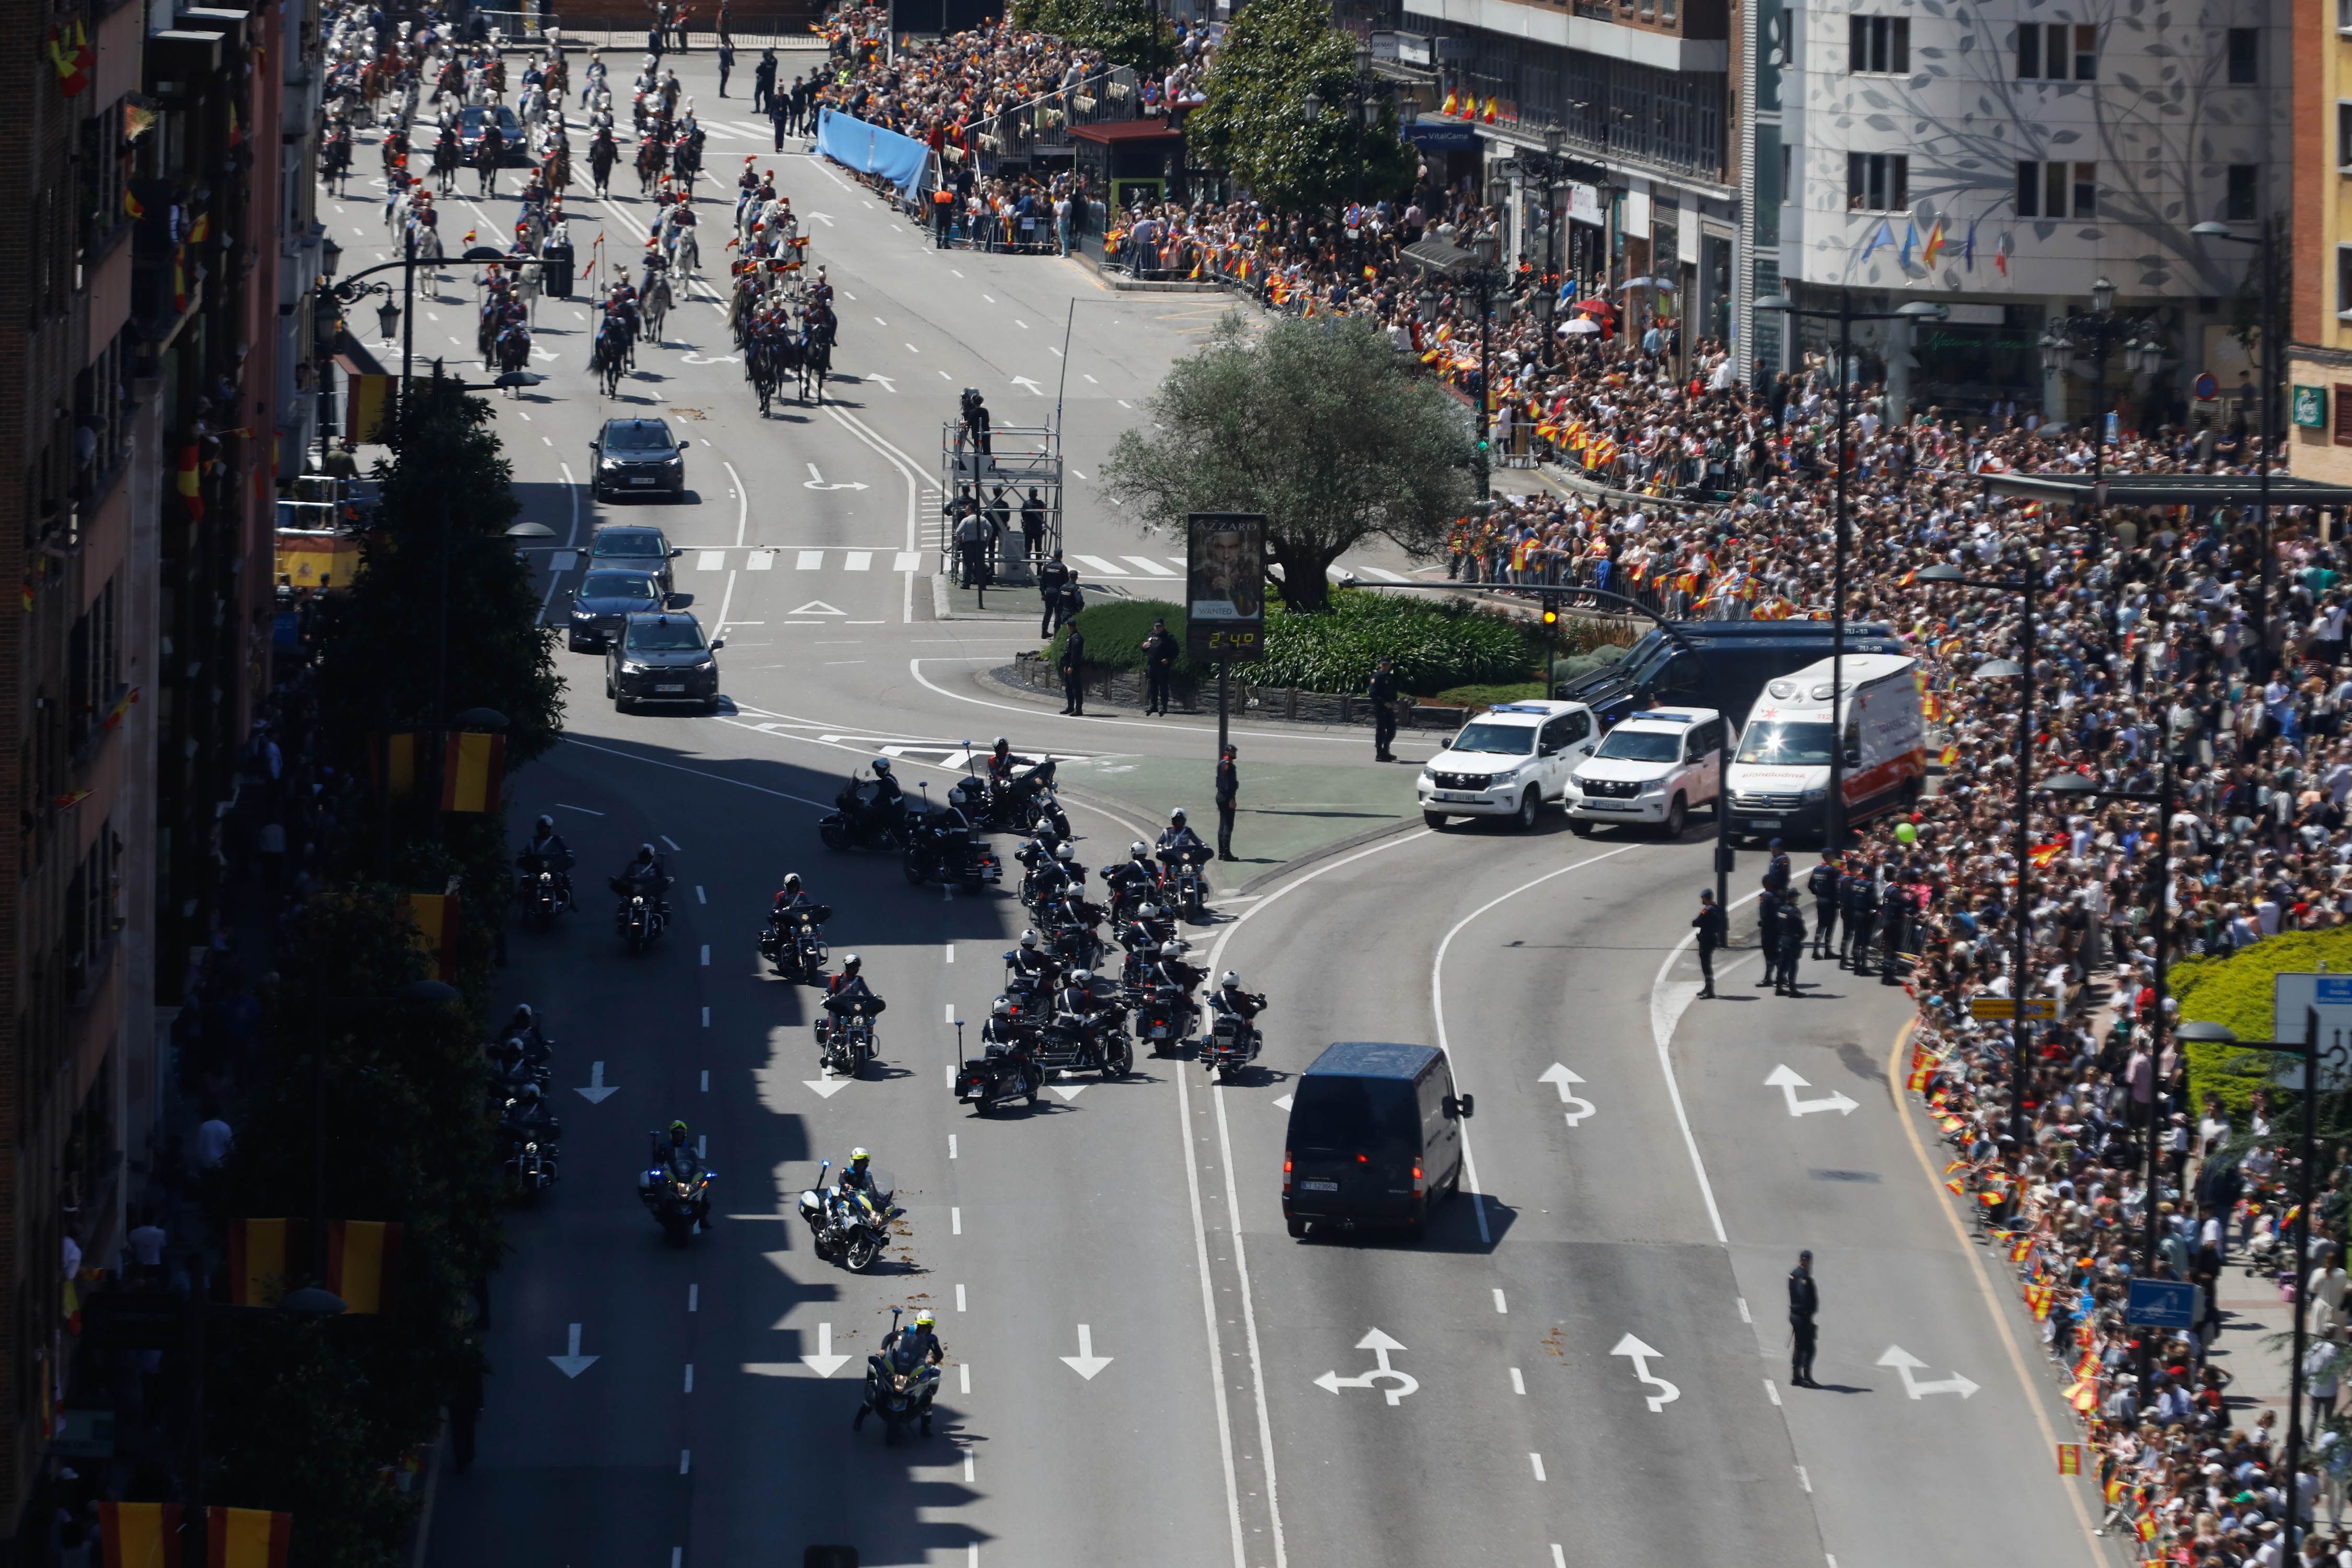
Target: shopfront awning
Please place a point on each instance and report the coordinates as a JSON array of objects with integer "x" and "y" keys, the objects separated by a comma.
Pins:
[{"x": 2170, "y": 489}]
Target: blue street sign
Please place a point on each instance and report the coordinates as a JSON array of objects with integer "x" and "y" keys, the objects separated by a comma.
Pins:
[{"x": 2161, "y": 1303}]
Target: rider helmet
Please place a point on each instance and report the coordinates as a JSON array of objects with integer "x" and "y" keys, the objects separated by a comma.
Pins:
[
  {"x": 955, "y": 795},
  {"x": 1081, "y": 976},
  {"x": 792, "y": 881},
  {"x": 546, "y": 825},
  {"x": 881, "y": 767},
  {"x": 1138, "y": 850},
  {"x": 857, "y": 1158},
  {"x": 1063, "y": 852},
  {"x": 849, "y": 965},
  {"x": 1148, "y": 912},
  {"x": 1171, "y": 948},
  {"x": 1232, "y": 980},
  {"x": 645, "y": 851},
  {"x": 1003, "y": 1008},
  {"x": 1002, "y": 745},
  {"x": 1029, "y": 939},
  {"x": 523, "y": 1018},
  {"x": 1176, "y": 817},
  {"x": 925, "y": 1318},
  {"x": 678, "y": 1131}
]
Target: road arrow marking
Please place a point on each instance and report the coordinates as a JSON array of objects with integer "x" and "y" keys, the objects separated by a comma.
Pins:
[
  {"x": 1785, "y": 1079},
  {"x": 1642, "y": 1355},
  {"x": 1904, "y": 1362},
  {"x": 827, "y": 1088},
  {"x": 572, "y": 1363},
  {"x": 1085, "y": 1363},
  {"x": 816, "y": 608},
  {"x": 542, "y": 353},
  {"x": 597, "y": 1090},
  {"x": 885, "y": 382},
  {"x": 1283, "y": 1103},
  {"x": 1380, "y": 1344},
  {"x": 1068, "y": 1091},
  {"x": 1035, "y": 390},
  {"x": 822, "y": 220},
  {"x": 692, "y": 358},
  {"x": 816, "y": 482},
  {"x": 1560, "y": 1078},
  {"x": 825, "y": 1363}
]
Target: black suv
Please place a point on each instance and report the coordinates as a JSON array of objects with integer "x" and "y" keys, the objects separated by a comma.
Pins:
[
  {"x": 630, "y": 547},
  {"x": 637, "y": 456},
  {"x": 662, "y": 657}
]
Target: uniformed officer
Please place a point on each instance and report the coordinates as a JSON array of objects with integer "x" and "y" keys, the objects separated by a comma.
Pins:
[
  {"x": 1384, "y": 694},
  {"x": 1074, "y": 672},
  {"x": 1051, "y": 577},
  {"x": 1822, "y": 883},
  {"x": 1714, "y": 931},
  {"x": 1229, "y": 793},
  {"x": 1804, "y": 1305}
]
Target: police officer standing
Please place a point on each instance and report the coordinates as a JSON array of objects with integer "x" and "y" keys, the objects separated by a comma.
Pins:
[
  {"x": 1074, "y": 672},
  {"x": 1822, "y": 883},
  {"x": 1051, "y": 577},
  {"x": 1859, "y": 890},
  {"x": 1768, "y": 932},
  {"x": 1159, "y": 663},
  {"x": 971, "y": 541},
  {"x": 1229, "y": 792},
  {"x": 763, "y": 81},
  {"x": 1032, "y": 526},
  {"x": 1714, "y": 931},
  {"x": 1804, "y": 1305},
  {"x": 1792, "y": 943},
  {"x": 1384, "y": 694}
]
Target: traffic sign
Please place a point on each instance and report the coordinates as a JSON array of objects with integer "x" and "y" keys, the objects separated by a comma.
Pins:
[
  {"x": 2161, "y": 1304},
  {"x": 2329, "y": 996},
  {"x": 2207, "y": 387},
  {"x": 2037, "y": 1008}
]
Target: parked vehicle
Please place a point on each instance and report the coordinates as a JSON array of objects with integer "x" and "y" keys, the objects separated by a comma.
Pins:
[
  {"x": 1779, "y": 782},
  {"x": 1722, "y": 665},
  {"x": 1653, "y": 769},
  {"x": 1510, "y": 761}
]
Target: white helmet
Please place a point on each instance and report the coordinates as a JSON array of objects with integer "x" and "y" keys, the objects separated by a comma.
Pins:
[
  {"x": 1176, "y": 817},
  {"x": 1171, "y": 948},
  {"x": 1003, "y": 1008},
  {"x": 1148, "y": 912},
  {"x": 1029, "y": 939},
  {"x": 1232, "y": 980},
  {"x": 955, "y": 795},
  {"x": 1063, "y": 852},
  {"x": 1138, "y": 850},
  {"x": 1081, "y": 976},
  {"x": 849, "y": 965}
]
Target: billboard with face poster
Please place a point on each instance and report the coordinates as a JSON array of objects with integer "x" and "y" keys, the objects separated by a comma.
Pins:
[{"x": 1225, "y": 585}]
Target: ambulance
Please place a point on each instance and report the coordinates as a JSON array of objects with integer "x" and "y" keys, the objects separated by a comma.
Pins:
[{"x": 1779, "y": 781}]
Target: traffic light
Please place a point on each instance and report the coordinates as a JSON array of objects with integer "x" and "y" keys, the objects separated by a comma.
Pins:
[{"x": 1550, "y": 608}]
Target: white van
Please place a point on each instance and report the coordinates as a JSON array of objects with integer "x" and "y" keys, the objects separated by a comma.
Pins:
[{"x": 1779, "y": 784}]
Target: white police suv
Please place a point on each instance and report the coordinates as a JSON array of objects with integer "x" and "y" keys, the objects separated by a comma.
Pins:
[
  {"x": 1651, "y": 769},
  {"x": 1507, "y": 762}
]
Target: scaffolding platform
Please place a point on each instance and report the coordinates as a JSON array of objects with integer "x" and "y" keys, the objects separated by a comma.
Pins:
[{"x": 1019, "y": 460}]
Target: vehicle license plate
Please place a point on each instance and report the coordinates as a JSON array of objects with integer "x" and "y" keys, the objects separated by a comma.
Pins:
[
  {"x": 973, "y": 1093},
  {"x": 1320, "y": 1186},
  {"x": 1455, "y": 795},
  {"x": 1159, "y": 1031},
  {"x": 1763, "y": 822},
  {"x": 641, "y": 481},
  {"x": 678, "y": 686}
]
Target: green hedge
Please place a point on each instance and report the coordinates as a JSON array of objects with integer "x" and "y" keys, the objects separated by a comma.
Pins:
[
  {"x": 1433, "y": 645},
  {"x": 2236, "y": 992}
]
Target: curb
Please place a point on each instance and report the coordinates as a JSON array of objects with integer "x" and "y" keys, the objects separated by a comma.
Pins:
[
  {"x": 995, "y": 682},
  {"x": 1324, "y": 852},
  {"x": 1141, "y": 286}
]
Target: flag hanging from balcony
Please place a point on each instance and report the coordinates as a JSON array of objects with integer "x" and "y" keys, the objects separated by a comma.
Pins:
[
  {"x": 247, "y": 1538},
  {"x": 260, "y": 1251},
  {"x": 435, "y": 915},
  {"x": 190, "y": 481},
  {"x": 140, "y": 1534},
  {"x": 70, "y": 56},
  {"x": 473, "y": 767},
  {"x": 396, "y": 762},
  {"x": 363, "y": 1262}
]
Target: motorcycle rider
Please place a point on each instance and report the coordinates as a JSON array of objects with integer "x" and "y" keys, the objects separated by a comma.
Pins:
[
  {"x": 903, "y": 1354},
  {"x": 681, "y": 1161},
  {"x": 547, "y": 851},
  {"x": 644, "y": 877},
  {"x": 1000, "y": 765},
  {"x": 1136, "y": 874},
  {"x": 1171, "y": 971},
  {"x": 888, "y": 801},
  {"x": 1076, "y": 1001},
  {"x": 792, "y": 896},
  {"x": 1031, "y": 963},
  {"x": 856, "y": 1177},
  {"x": 1179, "y": 841},
  {"x": 1228, "y": 1000}
]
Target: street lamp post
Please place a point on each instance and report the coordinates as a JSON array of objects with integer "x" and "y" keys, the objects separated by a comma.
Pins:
[
  {"x": 2307, "y": 1050},
  {"x": 1846, "y": 316},
  {"x": 2020, "y": 1062},
  {"x": 2099, "y": 330},
  {"x": 2268, "y": 262}
]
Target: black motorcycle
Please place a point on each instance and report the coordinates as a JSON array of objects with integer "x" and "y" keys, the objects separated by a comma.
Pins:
[
  {"x": 899, "y": 1397},
  {"x": 678, "y": 1201},
  {"x": 1182, "y": 887},
  {"x": 1001, "y": 1074},
  {"x": 854, "y": 824},
  {"x": 793, "y": 942},
  {"x": 1163, "y": 1018},
  {"x": 936, "y": 856},
  {"x": 1096, "y": 1043},
  {"x": 641, "y": 914},
  {"x": 1025, "y": 800},
  {"x": 543, "y": 882},
  {"x": 845, "y": 1035},
  {"x": 1231, "y": 1044},
  {"x": 528, "y": 1135}
]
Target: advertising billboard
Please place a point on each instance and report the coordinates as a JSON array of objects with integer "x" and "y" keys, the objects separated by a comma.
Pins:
[{"x": 1225, "y": 585}]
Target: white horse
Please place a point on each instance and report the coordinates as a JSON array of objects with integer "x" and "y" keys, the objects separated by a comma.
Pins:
[{"x": 685, "y": 253}]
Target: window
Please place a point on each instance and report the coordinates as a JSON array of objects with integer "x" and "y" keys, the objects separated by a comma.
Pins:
[
  {"x": 1881, "y": 44},
  {"x": 2344, "y": 281},
  {"x": 2055, "y": 190},
  {"x": 1877, "y": 182},
  {"x": 2059, "y": 52},
  {"x": 2344, "y": 136},
  {"x": 2240, "y": 202},
  {"x": 2245, "y": 57},
  {"x": 2342, "y": 400}
]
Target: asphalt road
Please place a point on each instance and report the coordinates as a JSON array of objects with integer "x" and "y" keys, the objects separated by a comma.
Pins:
[{"x": 1590, "y": 1346}]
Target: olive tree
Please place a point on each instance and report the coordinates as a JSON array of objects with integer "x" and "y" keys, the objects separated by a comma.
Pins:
[{"x": 1321, "y": 426}]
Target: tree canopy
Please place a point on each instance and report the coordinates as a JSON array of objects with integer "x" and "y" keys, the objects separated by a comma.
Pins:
[
  {"x": 1126, "y": 32},
  {"x": 1256, "y": 124},
  {"x": 1321, "y": 426}
]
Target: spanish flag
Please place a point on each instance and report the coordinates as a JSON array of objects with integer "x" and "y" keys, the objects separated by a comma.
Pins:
[
  {"x": 140, "y": 1534},
  {"x": 1489, "y": 115},
  {"x": 473, "y": 767},
  {"x": 470, "y": 238},
  {"x": 247, "y": 1538},
  {"x": 1453, "y": 102},
  {"x": 200, "y": 230},
  {"x": 122, "y": 707},
  {"x": 189, "y": 482},
  {"x": 260, "y": 1253},
  {"x": 363, "y": 1262},
  {"x": 2145, "y": 1525},
  {"x": 2043, "y": 854},
  {"x": 435, "y": 915},
  {"x": 396, "y": 765},
  {"x": 132, "y": 206},
  {"x": 1950, "y": 755}
]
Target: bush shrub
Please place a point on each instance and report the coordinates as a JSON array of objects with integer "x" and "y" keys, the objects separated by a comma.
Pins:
[
  {"x": 2236, "y": 992},
  {"x": 1432, "y": 645}
]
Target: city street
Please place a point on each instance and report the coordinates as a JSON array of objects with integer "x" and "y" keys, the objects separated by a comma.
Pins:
[{"x": 1585, "y": 1362}]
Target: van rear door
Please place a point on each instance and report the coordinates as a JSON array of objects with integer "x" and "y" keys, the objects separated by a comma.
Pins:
[{"x": 1353, "y": 1141}]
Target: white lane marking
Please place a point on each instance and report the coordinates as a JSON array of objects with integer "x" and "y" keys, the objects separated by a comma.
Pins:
[
  {"x": 1085, "y": 1363},
  {"x": 950, "y": 952},
  {"x": 808, "y": 560},
  {"x": 1019, "y": 323},
  {"x": 694, "y": 1298},
  {"x": 1804, "y": 1480},
  {"x": 1784, "y": 1079},
  {"x": 955, "y": 1217},
  {"x": 964, "y": 1377},
  {"x": 726, "y": 601},
  {"x": 1743, "y": 1312},
  {"x": 1499, "y": 1305},
  {"x": 571, "y": 489},
  {"x": 699, "y": 895},
  {"x": 598, "y": 1091},
  {"x": 1536, "y": 1460},
  {"x": 689, "y": 1377},
  {"x": 1642, "y": 1355},
  {"x": 1559, "y": 1558},
  {"x": 960, "y": 1307},
  {"x": 1772, "y": 1391},
  {"x": 706, "y": 1018},
  {"x": 858, "y": 561},
  {"x": 742, "y": 501},
  {"x": 706, "y": 955},
  {"x": 967, "y": 1464},
  {"x": 1518, "y": 1383},
  {"x": 826, "y": 1363},
  {"x": 571, "y": 1364},
  {"x": 710, "y": 560},
  {"x": 1385, "y": 575},
  {"x": 950, "y": 1017},
  {"x": 913, "y": 350},
  {"x": 1096, "y": 564},
  {"x": 951, "y": 1145},
  {"x": 1560, "y": 1078},
  {"x": 672, "y": 843},
  {"x": 1667, "y": 1004},
  {"x": 1437, "y": 996},
  {"x": 761, "y": 561},
  {"x": 908, "y": 470},
  {"x": 906, "y": 560},
  {"x": 1906, "y": 1363},
  {"x": 1150, "y": 567},
  {"x": 705, "y": 1080}
]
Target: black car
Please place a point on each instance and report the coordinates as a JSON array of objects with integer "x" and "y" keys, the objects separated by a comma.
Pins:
[
  {"x": 662, "y": 657},
  {"x": 646, "y": 550},
  {"x": 514, "y": 152},
  {"x": 1375, "y": 1137},
  {"x": 604, "y": 600},
  {"x": 638, "y": 456}
]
